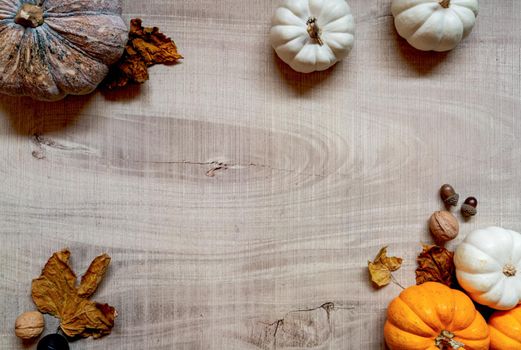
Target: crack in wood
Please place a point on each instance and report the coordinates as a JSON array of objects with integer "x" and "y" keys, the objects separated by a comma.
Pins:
[
  {"x": 225, "y": 166},
  {"x": 216, "y": 168},
  {"x": 42, "y": 142}
]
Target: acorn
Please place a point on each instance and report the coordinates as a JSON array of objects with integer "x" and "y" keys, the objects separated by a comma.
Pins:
[
  {"x": 449, "y": 196},
  {"x": 468, "y": 208}
]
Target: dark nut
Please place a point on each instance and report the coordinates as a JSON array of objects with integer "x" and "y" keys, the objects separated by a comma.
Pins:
[
  {"x": 468, "y": 208},
  {"x": 443, "y": 226},
  {"x": 53, "y": 342},
  {"x": 449, "y": 196}
]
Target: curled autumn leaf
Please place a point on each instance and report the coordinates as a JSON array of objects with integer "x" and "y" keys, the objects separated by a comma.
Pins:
[
  {"x": 435, "y": 264},
  {"x": 146, "y": 47},
  {"x": 381, "y": 267},
  {"x": 55, "y": 293}
]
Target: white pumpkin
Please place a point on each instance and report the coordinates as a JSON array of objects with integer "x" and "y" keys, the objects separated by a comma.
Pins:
[
  {"x": 312, "y": 35},
  {"x": 488, "y": 267},
  {"x": 434, "y": 25}
]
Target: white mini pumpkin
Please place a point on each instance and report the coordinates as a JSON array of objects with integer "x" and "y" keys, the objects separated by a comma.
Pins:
[
  {"x": 312, "y": 35},
  {"x": 488, "y": 267},
  {"x": 434, "y": 25}
]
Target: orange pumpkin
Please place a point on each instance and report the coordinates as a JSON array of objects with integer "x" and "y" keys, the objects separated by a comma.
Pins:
[
  {"x": 432, "y": 316},
  {"x": 505, "y": 330}
]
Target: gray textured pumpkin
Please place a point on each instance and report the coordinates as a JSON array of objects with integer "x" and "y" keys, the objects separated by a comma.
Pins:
[{"x": 52, "y": 48}]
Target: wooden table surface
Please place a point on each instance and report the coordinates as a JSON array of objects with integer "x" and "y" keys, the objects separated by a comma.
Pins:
[{"x": 239, "y": 200}]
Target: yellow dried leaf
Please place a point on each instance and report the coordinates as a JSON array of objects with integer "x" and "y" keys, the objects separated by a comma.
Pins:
[
  {"x": 55, "y": 293},
  {"x": 380, "y": 275},
  {"x": 381, "y": 267}
]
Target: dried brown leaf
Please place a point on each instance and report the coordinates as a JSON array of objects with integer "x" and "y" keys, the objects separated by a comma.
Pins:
[
  {"x": 94, "y": 275},
  {"x": 380, "y": 269},
  {"x": 435, "y": 264},
  {"x": 55, "y": 293},
  {"x": 146, "y": 47}
]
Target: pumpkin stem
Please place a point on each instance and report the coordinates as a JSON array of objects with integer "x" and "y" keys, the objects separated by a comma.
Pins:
[
  {"x": 30, "y": 16},
  {"x": 446, "y": 341},
  {"x": 314, "y": 30},
  {"x": 509, "y": 270},
  {"x": 445, "y": 3}
]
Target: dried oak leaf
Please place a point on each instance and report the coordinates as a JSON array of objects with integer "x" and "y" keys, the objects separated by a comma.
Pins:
[
  {"x": 435, "y": 264},
  {"x": 145, "y": 47},
  {"x": 55, "y": 293},
  {"x": 380, "y": 269}
]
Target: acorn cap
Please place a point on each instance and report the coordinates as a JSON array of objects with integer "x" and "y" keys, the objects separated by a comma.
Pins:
[
  {"x": 468, "y": 210},
  {"x": 452, "y": 200}
]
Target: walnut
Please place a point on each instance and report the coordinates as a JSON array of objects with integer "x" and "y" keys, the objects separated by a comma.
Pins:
[
  {"x": 443, "y": 226},
  {"x": 29, "y": 325}
]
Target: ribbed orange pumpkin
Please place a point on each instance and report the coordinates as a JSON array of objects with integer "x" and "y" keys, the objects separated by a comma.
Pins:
[
  {"x": 432, "y": 316},
  {"x": 505, "y": 330}
]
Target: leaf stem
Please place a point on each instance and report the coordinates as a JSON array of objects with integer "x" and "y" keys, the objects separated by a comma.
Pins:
[{"x": 395, "y": 281}]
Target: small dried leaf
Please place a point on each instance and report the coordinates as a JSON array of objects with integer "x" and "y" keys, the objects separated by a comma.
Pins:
[
  {"x": 380, "y": 269},
  {"x": 435, "y": 264},
  {"x": 55, "y": 293},
  {"x": 146, "y": 47},
  {"x": 380, "y": 275}
]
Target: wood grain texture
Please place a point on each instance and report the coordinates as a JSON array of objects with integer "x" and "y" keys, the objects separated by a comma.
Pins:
[{"x": 240, "y": 201}]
